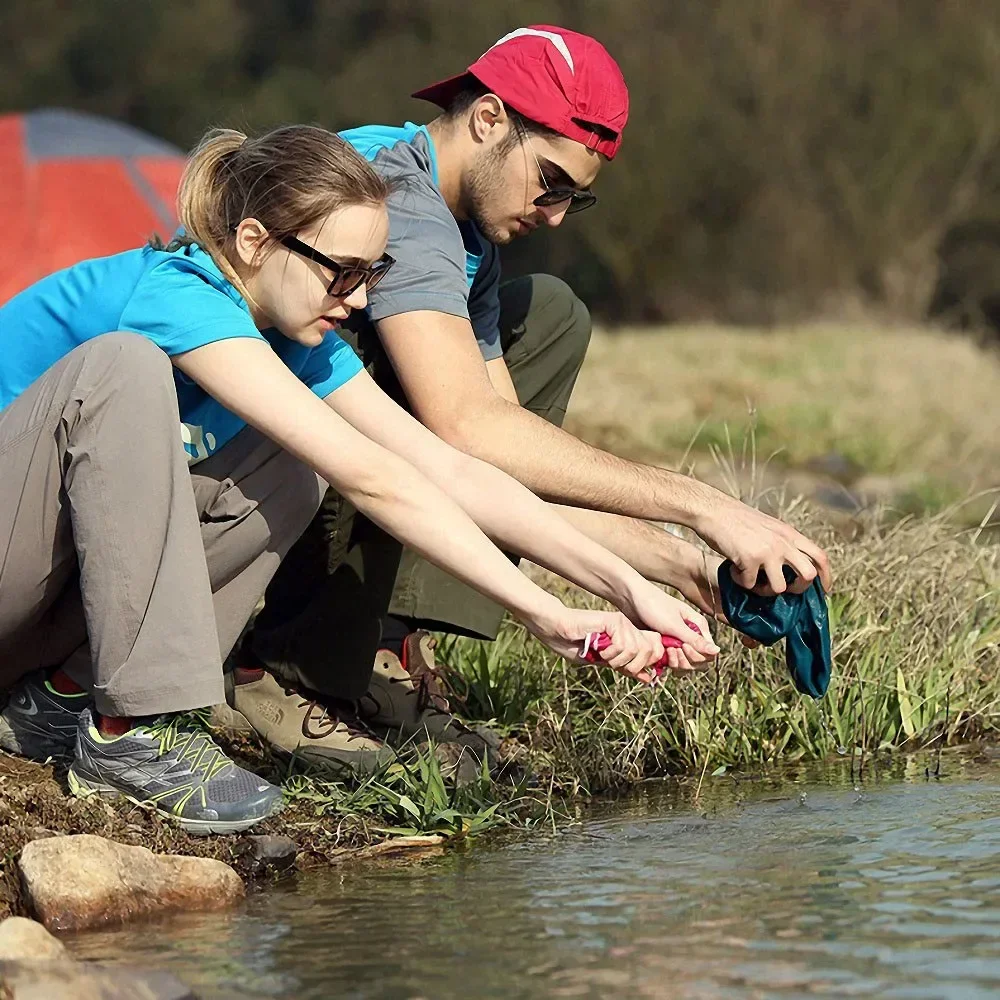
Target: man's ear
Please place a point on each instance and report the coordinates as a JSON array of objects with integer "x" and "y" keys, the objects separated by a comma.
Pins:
[
  {"x": 489, "y": 113},
  {"x": 250, "y": 239}
]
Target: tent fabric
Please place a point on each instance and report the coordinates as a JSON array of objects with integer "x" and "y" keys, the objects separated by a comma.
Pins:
[{"x": 73, "y": 186}]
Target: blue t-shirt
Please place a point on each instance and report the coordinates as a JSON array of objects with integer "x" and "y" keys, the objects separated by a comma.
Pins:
[{"x": 180, "y": 300}]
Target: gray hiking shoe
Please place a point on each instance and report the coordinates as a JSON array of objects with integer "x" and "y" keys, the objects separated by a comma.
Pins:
[
  {"x": 406, "y": 702},
  {"x": 39, "y": 722},
  {"x": 171, "y": 762}
]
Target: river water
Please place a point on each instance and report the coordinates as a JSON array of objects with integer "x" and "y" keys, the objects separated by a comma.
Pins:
[{"x": 797, "y": 887}]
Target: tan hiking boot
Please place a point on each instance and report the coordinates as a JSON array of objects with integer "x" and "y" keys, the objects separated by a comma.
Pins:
[
  {"x": 406, "y": 699},
  {"x": 294, "y": 723}
]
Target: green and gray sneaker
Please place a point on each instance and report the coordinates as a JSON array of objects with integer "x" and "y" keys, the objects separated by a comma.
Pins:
[
  {"x": 171, "y": 762},
  {"x": 38, "y": 721}
]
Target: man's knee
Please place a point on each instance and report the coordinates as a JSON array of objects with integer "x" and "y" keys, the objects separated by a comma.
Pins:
[
  {"x": 540, "y": 312},
  {"x": 545, "y": 330}
]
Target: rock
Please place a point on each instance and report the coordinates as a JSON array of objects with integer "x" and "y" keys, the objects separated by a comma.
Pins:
[
  {"x": 839, "y": 498},
  {"x": 836, "y": 466},
  {"x": 258, "y": 853},
  {"x": 23, "y": 940},
  {"x": 83, "y": 981},
  {"x": 86, "y": 881}
]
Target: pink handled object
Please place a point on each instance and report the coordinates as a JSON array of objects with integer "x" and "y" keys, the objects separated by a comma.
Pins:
[{"x": 598, "y": 641}]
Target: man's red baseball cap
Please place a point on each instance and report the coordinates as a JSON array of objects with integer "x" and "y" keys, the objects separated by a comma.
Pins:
[{"x": 556, "y": 77}]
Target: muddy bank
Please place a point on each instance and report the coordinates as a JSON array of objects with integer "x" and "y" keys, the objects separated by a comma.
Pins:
[{"x": 34, "y": 803}]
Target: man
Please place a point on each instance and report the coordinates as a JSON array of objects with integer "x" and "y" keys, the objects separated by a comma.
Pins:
[{"x": 489, "y": 367}]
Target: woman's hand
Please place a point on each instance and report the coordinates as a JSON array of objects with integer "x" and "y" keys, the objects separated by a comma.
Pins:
[
  {"x": 666, "y": 615},
  {"x": 697, "y": 578},
  {"x": 632, "y": 651}
]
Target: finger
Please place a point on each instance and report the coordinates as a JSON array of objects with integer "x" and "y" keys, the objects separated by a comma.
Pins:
[
  {"x": 620, "y": 659},
  {"x": 703, "y": 642},
  {"x": 820, "y": 560},
  {"x": 681, "y": 664},
  {"x": 685, "y": 666},
  {"x": 805, "y": 571},
  {"x": 644, "y": 676},
  {"x": 692, "y": 654},
  {"x": 746, "y": 575},
  {"x": 695, "y": 658},
  {"x": 636, "y": 667},
  {"x": 775, "y": 578}
]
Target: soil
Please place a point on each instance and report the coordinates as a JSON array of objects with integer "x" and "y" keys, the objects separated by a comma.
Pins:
[{"x": 35, "y": 802}]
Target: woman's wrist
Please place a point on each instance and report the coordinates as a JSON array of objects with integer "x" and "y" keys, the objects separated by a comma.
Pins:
[{"x": 542, "y": 615}]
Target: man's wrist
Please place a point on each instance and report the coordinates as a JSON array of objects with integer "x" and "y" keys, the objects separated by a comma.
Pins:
[{"x": 677, "y": 560}]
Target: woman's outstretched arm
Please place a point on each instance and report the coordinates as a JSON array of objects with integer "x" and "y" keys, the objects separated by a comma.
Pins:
[{"x": 248, "y": 378}]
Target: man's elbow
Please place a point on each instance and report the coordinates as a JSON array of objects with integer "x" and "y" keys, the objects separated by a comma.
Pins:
[{"x": 468, "y": 429}]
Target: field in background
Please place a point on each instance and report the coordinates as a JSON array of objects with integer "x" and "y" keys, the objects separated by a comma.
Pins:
[{"x": 846, "y": 415}]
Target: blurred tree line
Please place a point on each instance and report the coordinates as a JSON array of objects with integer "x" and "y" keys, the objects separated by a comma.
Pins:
[{"x": 783, "y": 157}]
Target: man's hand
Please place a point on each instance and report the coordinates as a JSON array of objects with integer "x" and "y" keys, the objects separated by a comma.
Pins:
[{"x": 760, "y": 544}]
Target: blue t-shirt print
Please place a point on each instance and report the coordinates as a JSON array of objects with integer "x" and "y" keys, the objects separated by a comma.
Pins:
[{"x": 180, "y": 300}]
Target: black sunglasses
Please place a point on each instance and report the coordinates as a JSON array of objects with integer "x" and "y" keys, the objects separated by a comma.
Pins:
[
  {"x": 346, "y": 279},
  {"x": 578, "y": 200}
]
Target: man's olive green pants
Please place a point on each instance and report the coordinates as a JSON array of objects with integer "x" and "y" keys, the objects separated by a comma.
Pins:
[{"x": 321, "y": 622}]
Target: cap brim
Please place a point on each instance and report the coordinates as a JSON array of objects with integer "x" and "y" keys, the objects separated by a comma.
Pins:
[{"x": 444, "y": 92}]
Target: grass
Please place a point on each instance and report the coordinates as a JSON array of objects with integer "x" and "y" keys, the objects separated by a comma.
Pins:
[
  {"x": 916, "y": 619},
  {"x": 915, "y": 608}
]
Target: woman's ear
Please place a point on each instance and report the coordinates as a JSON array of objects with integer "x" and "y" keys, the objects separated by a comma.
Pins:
[{"x": 250, "y": 239}]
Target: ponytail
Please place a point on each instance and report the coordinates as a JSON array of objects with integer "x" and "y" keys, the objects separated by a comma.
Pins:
[{"x": 202, "y": 200}]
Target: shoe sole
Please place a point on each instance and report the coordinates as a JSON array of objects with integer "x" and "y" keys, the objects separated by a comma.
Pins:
[
  {"x": 226, "y": 719},
  {"x": 330, "y": 767},
  {"x": 85, "y": 787}
]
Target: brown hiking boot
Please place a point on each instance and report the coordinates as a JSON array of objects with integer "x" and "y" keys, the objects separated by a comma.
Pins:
[
  {"x": 295, "y": 723},
  {"x": 406, "y": 700}
]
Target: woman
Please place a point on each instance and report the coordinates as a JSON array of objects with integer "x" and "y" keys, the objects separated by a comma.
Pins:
[{"x": 130, "y": 562}]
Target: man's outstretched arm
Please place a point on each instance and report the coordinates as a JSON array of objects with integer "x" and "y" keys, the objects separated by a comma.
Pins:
[{"x": 442, "y": 372}]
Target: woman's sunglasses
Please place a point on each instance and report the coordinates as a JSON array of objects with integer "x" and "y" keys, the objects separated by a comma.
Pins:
[{"x": 346, "y": 279}]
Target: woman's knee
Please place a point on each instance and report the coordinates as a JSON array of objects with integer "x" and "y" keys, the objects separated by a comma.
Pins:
[{"x": 131, "y": 354}]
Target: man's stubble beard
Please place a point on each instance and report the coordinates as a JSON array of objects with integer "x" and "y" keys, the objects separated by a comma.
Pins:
[{"x": 484, "y": 185}]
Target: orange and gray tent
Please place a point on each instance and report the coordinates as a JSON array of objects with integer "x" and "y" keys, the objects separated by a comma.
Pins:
[{"x": 73, "y": 186}]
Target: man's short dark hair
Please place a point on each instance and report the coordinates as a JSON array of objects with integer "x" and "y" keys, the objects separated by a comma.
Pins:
[{"x": 463, "y": 101}]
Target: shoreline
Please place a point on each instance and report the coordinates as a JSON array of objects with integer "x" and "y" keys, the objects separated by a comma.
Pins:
[{"x": 34, "y": 804}]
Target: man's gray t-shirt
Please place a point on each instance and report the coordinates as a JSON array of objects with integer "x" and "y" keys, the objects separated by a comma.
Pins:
[{"x": 441, "y": 264}]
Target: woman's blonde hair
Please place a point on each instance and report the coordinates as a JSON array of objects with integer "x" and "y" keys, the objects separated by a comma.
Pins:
[{"x": 287, "y": 179}]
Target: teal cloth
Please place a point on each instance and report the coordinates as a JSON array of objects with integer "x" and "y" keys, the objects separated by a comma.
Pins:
[{"x": 801, "y": 620}]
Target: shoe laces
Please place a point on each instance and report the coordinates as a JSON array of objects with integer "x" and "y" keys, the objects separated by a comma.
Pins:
[
  {"x": 321, "y": 719},
  {"x": 187, "y": 733},
  {"x": 429, "y": 684}
]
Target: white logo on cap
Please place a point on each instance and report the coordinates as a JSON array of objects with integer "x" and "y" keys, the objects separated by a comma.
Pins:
[{"x": 557, "y": 40}]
